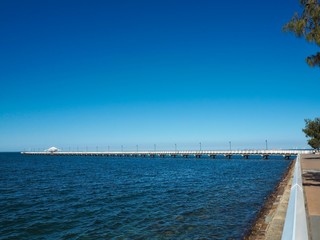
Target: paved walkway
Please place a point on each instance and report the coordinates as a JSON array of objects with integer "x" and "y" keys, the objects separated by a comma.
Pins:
[{"x": 310, "y": 166}]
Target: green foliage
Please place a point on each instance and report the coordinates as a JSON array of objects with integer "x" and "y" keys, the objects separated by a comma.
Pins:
[
  {"x": 307, "y": 25},
  {"x": 312, "y": 130}
]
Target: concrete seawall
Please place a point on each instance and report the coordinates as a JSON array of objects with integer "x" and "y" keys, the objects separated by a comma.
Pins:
[{"x": 270, "y": 221}]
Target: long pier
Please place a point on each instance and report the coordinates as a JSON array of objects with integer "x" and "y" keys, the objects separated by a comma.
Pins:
[{"x": 186, "y": 154}]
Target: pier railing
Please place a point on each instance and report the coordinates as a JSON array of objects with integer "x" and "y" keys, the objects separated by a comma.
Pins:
[
  {"x": 184, "y": 152},
  {"x": 295, "y": 226}
]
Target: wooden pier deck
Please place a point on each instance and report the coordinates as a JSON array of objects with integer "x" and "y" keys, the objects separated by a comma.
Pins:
[{"x": 197, "y": 154}]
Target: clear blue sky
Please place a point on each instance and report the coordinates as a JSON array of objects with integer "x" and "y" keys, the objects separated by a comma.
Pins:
[{"x": 99, "y": 73}]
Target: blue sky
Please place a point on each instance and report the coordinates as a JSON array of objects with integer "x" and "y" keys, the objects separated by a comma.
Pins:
[{"x": 111, "y": 73}]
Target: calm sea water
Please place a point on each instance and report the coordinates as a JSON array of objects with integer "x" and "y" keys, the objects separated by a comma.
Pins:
[{"x": 46, "y": 197}]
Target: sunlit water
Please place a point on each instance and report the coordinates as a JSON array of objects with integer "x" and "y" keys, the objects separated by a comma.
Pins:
[{"x": 46, "y": 197}]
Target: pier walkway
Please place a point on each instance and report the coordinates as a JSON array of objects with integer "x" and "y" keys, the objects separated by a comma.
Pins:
[
  {"x": 197, "y": 154},
  {"x": 310, "y": 165}
]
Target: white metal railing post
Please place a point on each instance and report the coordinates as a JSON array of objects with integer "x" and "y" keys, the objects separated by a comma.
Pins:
[{"x": 295, "y": 226}]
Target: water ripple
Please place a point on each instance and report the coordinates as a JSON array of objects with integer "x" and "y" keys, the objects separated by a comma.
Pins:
[{"x": 115, "y": 198}]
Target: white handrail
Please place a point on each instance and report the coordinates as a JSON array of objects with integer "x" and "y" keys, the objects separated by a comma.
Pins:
[
  {"x": 203, "y": 152},
  {"x": 295, "y": 226}
]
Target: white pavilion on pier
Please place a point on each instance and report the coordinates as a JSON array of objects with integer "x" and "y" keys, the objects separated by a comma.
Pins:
[{"x": 52, "y": 150}]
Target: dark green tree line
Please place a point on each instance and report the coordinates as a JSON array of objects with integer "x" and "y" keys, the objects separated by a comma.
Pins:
[
  {"x": 312, "y": 130},
  {"x": 307, "y": 25}
]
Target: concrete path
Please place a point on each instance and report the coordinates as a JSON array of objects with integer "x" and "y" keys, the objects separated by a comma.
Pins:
[{"x": 310, "y": 166}]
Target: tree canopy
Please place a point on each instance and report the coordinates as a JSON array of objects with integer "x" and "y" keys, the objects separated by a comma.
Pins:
[
  {"x": 307, "y": 25},
  {"x": 312, "y": 130}
]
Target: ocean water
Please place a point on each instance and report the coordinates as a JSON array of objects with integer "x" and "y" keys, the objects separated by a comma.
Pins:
[{"x": 56, "y": 197}]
